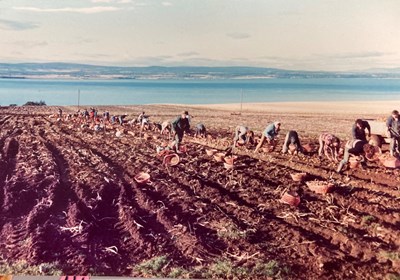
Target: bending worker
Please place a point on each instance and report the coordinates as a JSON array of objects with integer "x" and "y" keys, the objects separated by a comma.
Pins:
[
  {"x": 330, "y": 145},
  {"x": 200, "y": 130},
  {"x": 292, "y": 138},
  {"x": 269, "y": 134},
  {"x": 354, "y": 147},
  {"x": 243, "y": 135}
]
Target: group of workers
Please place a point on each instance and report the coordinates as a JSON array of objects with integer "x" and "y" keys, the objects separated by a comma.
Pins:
[
  {"x": 93, "y": 117},
  {"x": 359, "y": 145},
  {"x": 329, "y": 144}
]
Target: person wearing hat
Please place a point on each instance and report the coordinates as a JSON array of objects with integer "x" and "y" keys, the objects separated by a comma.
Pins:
[
  {"x": 179, "y": 126},
  {"x": 393, "y": 131},
  {"x": 269, "y": 134}
]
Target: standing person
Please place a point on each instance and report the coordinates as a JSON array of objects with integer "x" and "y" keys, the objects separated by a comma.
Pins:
[
  {"x": 330, "y": 144},
  {"x": 86, "y": 114},
  {"x": 200, "y": 130},
  {"x": 179, "y": 126},
  {"x": 243, "y": 135},
  {"x": 292, "y": 138},
  {"x": 393, "y": 131},
  {"x": 355, "y": 147},
  {"x": 106, "y": 116},
  {"x": 91, "y": 114},
  {"x": 60, "y": 113},
  {"x": 358, "y": 130},
  {"x": 269, "y": 134},
  {"x": 140, "y": 118}
]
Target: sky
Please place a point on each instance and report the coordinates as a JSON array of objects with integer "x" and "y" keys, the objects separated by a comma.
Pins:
[{"x": 323, "y": 35}]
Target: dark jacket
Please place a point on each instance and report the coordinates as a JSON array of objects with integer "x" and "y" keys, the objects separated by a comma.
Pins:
[
  {"x": 355, "y": 146},
  {"x": 359, "y": 133},
  {"x": 394, "y": 125},
  {"x": 180, "y": 125}
]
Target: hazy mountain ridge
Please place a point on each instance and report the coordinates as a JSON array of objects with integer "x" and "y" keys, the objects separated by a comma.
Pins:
[{"x": 85, "y": 71}]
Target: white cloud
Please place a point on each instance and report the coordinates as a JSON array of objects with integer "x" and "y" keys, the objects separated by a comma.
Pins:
[
  {"x": 90, "y": 10},
  {"x": 237, "y": 35},
  {"x": 30, "y": 44},
  {"x": 166, "y": 4},
  {"x": 16, "y": 25},
  {"x": 112, "y": 1},
  {"x": 101, "y": 1},
  {"x": 369, "y": 54},
  {"x": 185, "y": 54}
]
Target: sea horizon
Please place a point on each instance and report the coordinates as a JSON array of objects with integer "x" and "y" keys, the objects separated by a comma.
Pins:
[{"x": 172, "y": 91}]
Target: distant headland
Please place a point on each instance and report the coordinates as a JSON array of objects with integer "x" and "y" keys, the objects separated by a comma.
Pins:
[{"x": 86, "y": 71}]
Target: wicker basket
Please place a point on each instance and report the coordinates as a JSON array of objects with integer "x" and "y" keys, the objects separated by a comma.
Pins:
[
  {"x": 171, "y": 160},
  {"x": 383, "y": 158},
  {"x": 292, "y": 149},
  {"x": 230, "y": 159},
  {"x": 142, "y": 177},
  {"x": 309, "y": 148},
  {"x": 225, "y": 142},
  {"x": 146, "y": 136},
  {"x": 183, "y": 148},
  {"x": 228, "y": 166},
  {"x": 355, "y": 161},
  {"x": 240, "y": 143},
  {"x": 374, "y": 154},
  {"x": 163, "y": 153},
  {"x": 375, "y": 140},
  {"x": 211, "y": 152},
  {"x": 219, "y": 157},
  {"x": 391, "y": 162},
  {"x": 298, "y": 177},
  {"x": 268, "y": 149},
  {"x": 320, "y": 186},
  {"x": 291, "y": 198}
]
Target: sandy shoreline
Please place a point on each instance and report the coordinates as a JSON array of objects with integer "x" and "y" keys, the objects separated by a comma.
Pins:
[
  {"x": 361, "y": 108},
  {"x": 335, "y": 107},
  {"x": 308, "y": 118}
]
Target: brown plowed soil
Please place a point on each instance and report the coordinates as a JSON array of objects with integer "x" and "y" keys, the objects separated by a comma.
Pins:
[{"x": 68, "y": 196}]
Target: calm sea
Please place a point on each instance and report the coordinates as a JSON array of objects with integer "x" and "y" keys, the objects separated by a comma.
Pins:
[{"x": 126, "y": 92}]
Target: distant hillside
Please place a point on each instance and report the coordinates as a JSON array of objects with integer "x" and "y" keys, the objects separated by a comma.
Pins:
[{"x": 84, "y": 71}]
